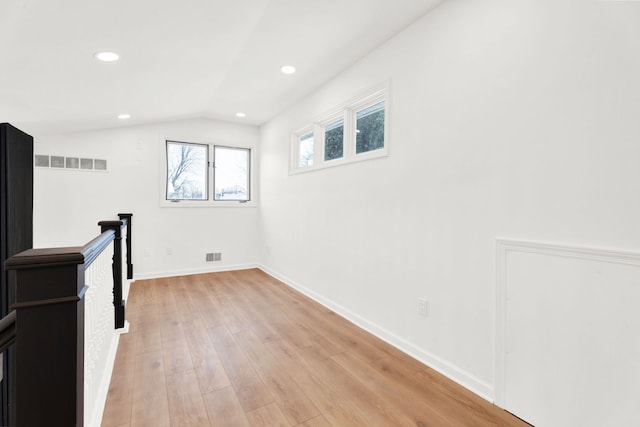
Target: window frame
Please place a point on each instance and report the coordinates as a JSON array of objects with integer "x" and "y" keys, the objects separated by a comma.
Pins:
[
  {"x": 210, "y": 201},
  {"x": 206, "y": 169},
  {"x": 249, "y": 174},
  {"x": 327, "y": 121},
  {"x": 361, "y": 107},
  {"x": 348, "y": 113},
  {"x": 297, "y": 139}
]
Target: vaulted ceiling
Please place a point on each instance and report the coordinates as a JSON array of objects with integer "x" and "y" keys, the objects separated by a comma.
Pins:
[{"x": 179, "y": 59}]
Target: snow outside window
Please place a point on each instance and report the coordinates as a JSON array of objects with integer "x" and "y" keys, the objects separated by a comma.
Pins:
[
  {"x": 305, "y": 150},
  {"x": 231, "y": 173},
  {"x": 186, "y": 171}
]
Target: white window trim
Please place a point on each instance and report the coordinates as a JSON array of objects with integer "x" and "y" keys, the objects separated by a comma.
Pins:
[
  {"x": 209, "y": 203},
  {"x": 348, "y": 111}
]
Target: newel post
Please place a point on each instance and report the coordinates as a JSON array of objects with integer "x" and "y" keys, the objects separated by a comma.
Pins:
[
  {"x": 127, "y": 217},
  {"x": 118, "y": 302},
  {"x": 49, "y": 342}
]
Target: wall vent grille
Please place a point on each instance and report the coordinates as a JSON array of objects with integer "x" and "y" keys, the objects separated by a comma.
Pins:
[{"x": 70, "y": 163}]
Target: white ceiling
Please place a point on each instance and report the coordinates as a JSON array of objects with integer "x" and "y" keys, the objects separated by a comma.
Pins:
[{"x": 178, "y": 59}]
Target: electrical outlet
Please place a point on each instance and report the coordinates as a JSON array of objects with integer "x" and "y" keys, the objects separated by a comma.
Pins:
[
  {"x": 423, "y": 307},
  {"x": 169, "y": 251},
  {"x": 209, "y": 257}
]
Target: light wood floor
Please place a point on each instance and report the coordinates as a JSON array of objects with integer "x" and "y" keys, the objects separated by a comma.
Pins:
[{"x": 242, "y": 349}]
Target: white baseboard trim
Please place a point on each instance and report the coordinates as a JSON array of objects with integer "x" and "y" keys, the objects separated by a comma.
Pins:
[
  {"x": 454, "y": 373},
  {"x": 189, "y": 272},
  {"x": 123, "y": 330}
]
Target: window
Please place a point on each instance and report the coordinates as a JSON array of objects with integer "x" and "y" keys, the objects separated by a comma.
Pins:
[
  {"x": 370, "y": 128},
  {"x": 356, "y": 131},
  {"x": 231, "y": 173},
  {"x": 334, "y": 140},
  {"x": 305, "y": 150},
  {"x": 187, "y": 166},
  {"x": 206, "y": 175}
]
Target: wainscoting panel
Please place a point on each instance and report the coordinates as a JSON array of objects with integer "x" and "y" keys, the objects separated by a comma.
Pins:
[{"x": 568, "y": 335}]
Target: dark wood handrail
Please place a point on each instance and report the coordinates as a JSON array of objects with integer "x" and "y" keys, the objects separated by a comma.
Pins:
[
  {"x": 39, "y": 258},
  {"x": 94, "y": 248}
]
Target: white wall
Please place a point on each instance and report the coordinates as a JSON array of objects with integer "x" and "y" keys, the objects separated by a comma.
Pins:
[
  {"x": 68, "y": 204},
  {"x": 514, "y": 119}
]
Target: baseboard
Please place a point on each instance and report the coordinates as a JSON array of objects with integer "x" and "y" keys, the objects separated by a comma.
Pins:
[
  {"x": 454, "y": 373},
  {"x": 189, "y": 272}
]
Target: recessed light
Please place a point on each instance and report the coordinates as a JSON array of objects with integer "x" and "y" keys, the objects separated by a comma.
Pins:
[
  {"x": 240, "y": 114},
  {"x": 288, "y": 69},
  {"x": 107, "y": 56},
  {"x": 124, "y": 116}
]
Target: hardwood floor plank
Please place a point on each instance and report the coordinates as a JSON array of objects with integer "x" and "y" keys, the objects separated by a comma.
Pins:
[
  {"x": 198, "y": 341},
  {"x": 253, "y": 318},
  {"x": 292, "y": 401},
  {"x": 375, "y": 410},
  {"x": 224, "y": 409},
  {"x": 179, "y": 290},
  {"x": 209, "y": 370},
  {"x": 148, "y": 335},
  {"x": 119, "y": 398},
  {"x": 319, "y": 421},
  {"x": 143, "y": 300},
  {"x": 475, "y": 409},
  {"x": 186, "y": 407},
  {"x": 150, "y": 391},
  {"x": 166, "y": 302},
  {"x": 212, "y": 376},
  {"x": 408, "y": 384},
  {"x": 250, "y": 389},
  {"x": 319, "y": 326},
  {"x": 337, "y": 410},
  {"x": 392, "y": 390},
  {"x": 171, "y": 329},
  {"x": 229, "y": 315},
  {"x": 177, "y": 357},
  {"x": 236, "y": 364},
  {"x": 332, "y": 328},
  {"x": 253, "y": 395},
  {"x": 276, "y": 317},
  {"x": 268, "y": 416}
]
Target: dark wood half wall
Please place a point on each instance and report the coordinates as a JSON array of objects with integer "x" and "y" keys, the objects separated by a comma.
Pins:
[{"x": 16, "y": 228}]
